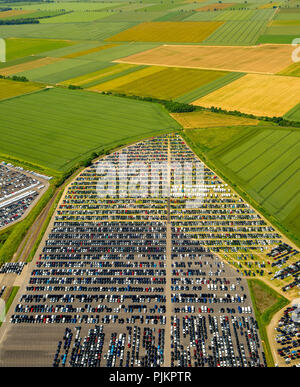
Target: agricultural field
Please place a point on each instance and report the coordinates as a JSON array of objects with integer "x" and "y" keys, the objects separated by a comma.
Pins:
[
  {"x": 293, "y": 70},
  {"x": 18, "y": 48},
  {"x": 9, "y": 88},
  {"x": 264, "y": 163},
  {"x": 107, "y": 73},
  {"x": 14, "y": 14},
  {"x": 241, "y": 59},
  {"x": 209, "y": 87},
  {"x": 196, "y": 58},
  {"x": 256, "y": 94},
  {"x": 160, "y": 82},
  {"x": 72, "y": 31},
  {"x": 27, "y": 66},
  {"x": 204, "y": 119},
  {"x": 168, "y": 32},
  {"x": 287, "y": 14},
  {"x": 90, "y": 51},
  {"x": 55, "y": 128},
  {"x": 214, "y": 7},
  {"x": 294, "y": 114},
  {"x": 71, "y": 6},
  {"x": 235, "y": 33},
  {"x": 77, "y": 17}
]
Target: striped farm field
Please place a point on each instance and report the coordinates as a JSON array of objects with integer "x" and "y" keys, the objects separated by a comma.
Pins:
[
  {"x": 161, "y": 82},
  {"x": 202, "y": 16},
  {"x": 208, "y": 88},
  {"x": 123, "y": 81},
  {"x": 9, "y": 88},
  {"x": 65, "y": 126},
  {"x": 73, "y": 31},
  {"x": 266, "y": 165},
  {"x": 98, "y": 76},
  {"x": 294, "y": 114},
  {"x": 90, "y": 51},
  {"x": 61, "y": 70},
  {"x": 238, "y": 33},
  {"x": 168, "y": 32},
  {"x": 256, "y": 94},
  {"x": 27, "y": 66},
  {"x": 268, "y": 59}
]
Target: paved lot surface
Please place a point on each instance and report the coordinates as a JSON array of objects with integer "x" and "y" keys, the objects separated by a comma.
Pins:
[{"x": 133, "y": 278}]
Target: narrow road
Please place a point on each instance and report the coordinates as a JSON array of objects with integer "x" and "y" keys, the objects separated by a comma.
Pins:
[{"x": 167, "y": 360}]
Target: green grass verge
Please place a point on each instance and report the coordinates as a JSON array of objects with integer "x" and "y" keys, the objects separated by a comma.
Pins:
[
  {"x": 264, "y": 316},
  {"x": 44, "y": 227},
  {"x": 11, "y": 297}
]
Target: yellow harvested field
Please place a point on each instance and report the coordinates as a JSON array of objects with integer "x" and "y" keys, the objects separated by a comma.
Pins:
[
  {"x": 7, "y": 71},
  {"x": 194, "y": 32},
  {"x": 265, "y": 59},
  {"x": 115, "y": 83},
  {"x": 212, "y": 7},
  {"x": 91, "y": 77},
  {"x": 204, "y": 119},
  {"x": 13, "y": 12},
  {"x": 261, "y": 95},
  {"x": 90, "y": 51}
]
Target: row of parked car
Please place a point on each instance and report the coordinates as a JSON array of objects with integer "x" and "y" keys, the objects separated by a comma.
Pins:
[{"x": 123, "y": 275}]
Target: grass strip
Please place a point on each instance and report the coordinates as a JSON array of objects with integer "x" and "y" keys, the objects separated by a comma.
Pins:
[{"x": 264, "y": 317}]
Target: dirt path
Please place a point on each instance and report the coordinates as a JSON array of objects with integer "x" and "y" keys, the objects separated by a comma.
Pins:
[{"x": 271, "y": 335}]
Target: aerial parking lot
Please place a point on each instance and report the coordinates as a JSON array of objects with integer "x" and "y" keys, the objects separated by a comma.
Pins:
[
  {"x": 19, "y": 190},
  {"x": 138, "y": 279},
  {"x": 149, "y": 186}
]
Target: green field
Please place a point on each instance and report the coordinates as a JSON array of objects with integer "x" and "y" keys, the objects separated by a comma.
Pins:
[
  {"x": 288, "y": 14},
  {"x": 294, "y": 114},
  {"x": 238, "y": 33},
  {"x": 276, "y": 39},
  {"x": 19, "y": 48},
  {"x": 77, "y": 31},
  {"x": 266, "y": 302},
  {"x": 264, "y": 163},
  {"x": 65, "y": 126},
  {"x": 70, "y": 6},
  {"x": 77, "y": 17},
  {"x": 166, "y": 83}
]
